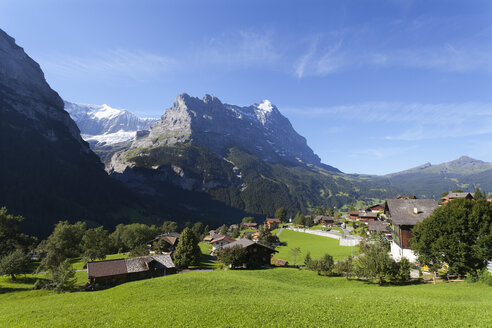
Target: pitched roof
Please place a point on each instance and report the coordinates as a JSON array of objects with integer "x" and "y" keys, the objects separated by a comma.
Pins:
[
  {"x": 402, "y": 211},
  {"x": 250, "y": 224},
  {"x": 323, "y": 218},
  {"x": 371, "y": 215},
  {"x": 353, "y": 212},
  {"x": 453, "y": 195},
  {"x": 378, "y": 226},
  {"x": 130, "y": 265},
  {"x": 245, "y": 242},
  {"x": 273, "y": 220},
  {"x": 224, "y": 238}
]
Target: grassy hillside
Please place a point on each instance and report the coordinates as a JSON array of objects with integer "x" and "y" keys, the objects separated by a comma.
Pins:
[
  {"x": 317, "y": 245},
  {"x": 262, "y": 298}
]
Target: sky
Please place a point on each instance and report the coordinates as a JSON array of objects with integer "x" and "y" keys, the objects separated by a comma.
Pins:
[{"x": 375, "y": 86}]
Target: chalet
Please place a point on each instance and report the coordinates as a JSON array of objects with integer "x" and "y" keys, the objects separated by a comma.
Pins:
[
  {"x": 378, "y": 227},
  {"x": 220, "y": 242},
  {"x": 250, "y": 225},
  {"x": 403, "y": 215},
  {"x": 368, "y": 216},
  {"x": 114, "y": 272},
  {"x": 253, "y": 235},
  {"x": 326, "y": 221},
  {"x": 375, "y": 208},
  {"x": 257, "y": 253},
  {"x": 456, "y": 195},
  {"x": 233, "y": 226},
  {"x": 272, "y": 223},
  {"x": 168, "y": 242},
  {"x": 353, "y": 215}
]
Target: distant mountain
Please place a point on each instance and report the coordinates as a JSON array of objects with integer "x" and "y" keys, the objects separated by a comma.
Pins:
[
  {"x": 102, "y": 125},
  {"x": 249, "y": 158},
  {"x": 47, "y": 172},
  {"x": 430, "y": 180}
]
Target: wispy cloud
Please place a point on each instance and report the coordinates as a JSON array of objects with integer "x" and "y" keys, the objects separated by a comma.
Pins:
[
  {"x": 239, "y": 49},
  {"x": 409, "y": 121},
  {"x": 132, "y": 64}
]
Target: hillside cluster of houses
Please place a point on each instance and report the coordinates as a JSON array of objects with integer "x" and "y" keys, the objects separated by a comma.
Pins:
[{"x": 395, "y": 219}]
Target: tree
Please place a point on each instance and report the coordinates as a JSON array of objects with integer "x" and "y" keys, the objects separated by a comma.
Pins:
[
  {"x": 479, "y": 194},
  {"x": 458, "y": 233},
  {"x": 137, "y": 234},
  {"x": 169, "y": 226},
  {"x": 233, "y": 256},
  {"x": 351, "y": 207},
  {"x": 320, "y": 210},
  {"x": 344, "y": 267},
  {"x": 14, "y": 263},
  {"x": 457, "y": 190},
  {"x": 330, "y": 211},
  {"x": 294, "y": 253},
  {"x": 223, "y": 229},
  {"x": 444, "y": 194},
  {"x": 323, "y": 265},
  {"x": 64, "y": 242},
  {"x": 266, "y": 238},
  {"x": 375, "y": 264},
  {"x": 308, "y": 221},
  {"x": 281, "y": 214},
  {"x": 307, "y": 259},
  {"x": 299, "y": 219},
  {"x": 140, "y": 250},
  {"x": 401, "y": 270},
  {"x": 248, "y": 219},
  {"x": 235, "y": 233},
  {"x": 187, "y": 252},
  {"x": 62, "y": 278},
  {"x": 199, "y": 230},
  {"x": 10, "y": 236},
  {"x": 95, "y": 244}
]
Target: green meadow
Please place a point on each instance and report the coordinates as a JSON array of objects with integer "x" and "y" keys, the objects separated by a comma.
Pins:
[
  {"x": 317, "y": 245},
  {"x": 259, "y": 298}
]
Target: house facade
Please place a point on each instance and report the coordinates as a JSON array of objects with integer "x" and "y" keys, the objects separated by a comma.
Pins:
[
  {"x": 257, "y": 253},
  {"x": 456, "y": 195},
  {"x": 403, "y": 215},
  {"x": 272, "y": 223},
  {"x": 326, "y": 221},
  {"x": 220, "y": 242}
]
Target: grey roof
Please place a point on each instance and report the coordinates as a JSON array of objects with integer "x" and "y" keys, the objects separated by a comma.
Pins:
[
  {"x": 368, "y": 215},
  {"x": 323, "y": 217},
  {"x": 378, "y": 226},
  {"x": 459, "y": 194},
  {"x": 402, "y": 211},
  {"x": 130, "y": 265},
  {"x": 245, "y": 242}
]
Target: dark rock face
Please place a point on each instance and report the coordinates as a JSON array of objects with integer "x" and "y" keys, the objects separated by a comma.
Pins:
[
  {"x": 47, "y": 172},
  {"x": 259, "y": 129}
]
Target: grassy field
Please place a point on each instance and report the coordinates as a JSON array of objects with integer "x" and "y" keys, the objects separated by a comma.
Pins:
[
  {"x": 317, "y": 245},
  {"x": 263, "y": 298}
]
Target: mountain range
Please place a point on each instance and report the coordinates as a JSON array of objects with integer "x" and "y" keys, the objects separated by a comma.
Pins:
[{"x": 202, "y": 160}]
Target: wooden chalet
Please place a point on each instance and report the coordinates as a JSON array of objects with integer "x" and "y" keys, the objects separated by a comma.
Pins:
[
  {"x": 257, "y": 253},
  {"x": 375, "y": 208},
  {"x": 378, "y": 227},
  {"x": 353, "y": 215},
  {"x": 221, "y": 241},
  {"x": 112, "y": 272},
  {"x": 403, "y": 215},
  {"x": 250, "y": 225},
  {"x": 368, "y": 216},
  {"x": 326, "y": 221},
  {"x": 272, "y": 223},
  {"x": 170, "y": 241},
  {"x": 456, "y": 195}
]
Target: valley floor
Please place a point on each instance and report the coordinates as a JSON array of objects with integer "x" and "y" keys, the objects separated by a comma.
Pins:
[{"x": 259, "y": 298}]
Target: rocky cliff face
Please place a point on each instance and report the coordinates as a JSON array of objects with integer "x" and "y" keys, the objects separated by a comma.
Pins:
[
  {"x": 259, "y": 129},
  {"x": 102, "y": 125},
  {"x": 47, "y": 172}
]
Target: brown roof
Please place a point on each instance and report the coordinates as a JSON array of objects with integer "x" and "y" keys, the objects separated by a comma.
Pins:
[
  {"x": 106, "y": 268},
  {"x": 321, "y": 218},
  {"x": 244, "y": 242},
  {"x": 250, "y": 224},
  {"x": 353, "y": 213},
  {"x": 224, "y": 238},
  {"x": 368, "y": 215},
  {"x": 409, "y": 211},
  {"x": 273, "y": 220}
]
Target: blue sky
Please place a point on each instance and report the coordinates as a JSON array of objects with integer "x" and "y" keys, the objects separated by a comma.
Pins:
[{"x": 375, "y": 86}]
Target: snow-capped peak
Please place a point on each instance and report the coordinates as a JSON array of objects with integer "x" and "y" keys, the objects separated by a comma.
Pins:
[
  {"x": 266, "y": 106},
  {"x": 107, "y": 112}
]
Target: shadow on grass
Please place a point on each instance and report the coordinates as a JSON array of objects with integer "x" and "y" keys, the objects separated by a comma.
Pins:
[
  {"x": 22, "y": 281},
  {"x": 208, "y": 261}
]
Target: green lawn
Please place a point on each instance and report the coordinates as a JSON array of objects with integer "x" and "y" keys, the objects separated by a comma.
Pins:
[
  {"x": 284, "y": 297},
  {"x": 317, "y": 245}
]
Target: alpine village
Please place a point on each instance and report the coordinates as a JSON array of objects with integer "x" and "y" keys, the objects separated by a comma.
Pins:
[{"x": 216, "y": 214}]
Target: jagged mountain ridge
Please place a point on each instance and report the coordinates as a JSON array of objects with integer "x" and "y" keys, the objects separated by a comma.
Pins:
[
  {"x": 259, "y": 129},
  {"x": 462, "y": 165},
  {"x": 102, "y": 125}
]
